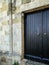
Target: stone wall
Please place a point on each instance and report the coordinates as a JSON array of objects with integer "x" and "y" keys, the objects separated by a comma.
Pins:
[
  {"x": 15, "y": 44},
  {"x": 4, "y": 26}
]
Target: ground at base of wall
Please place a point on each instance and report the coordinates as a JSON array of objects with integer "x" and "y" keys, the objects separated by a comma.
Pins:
[{"x": 24, "y": 62}]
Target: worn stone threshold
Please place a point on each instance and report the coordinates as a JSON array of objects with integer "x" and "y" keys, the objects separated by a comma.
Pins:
[{"x": 28, "y": 62}]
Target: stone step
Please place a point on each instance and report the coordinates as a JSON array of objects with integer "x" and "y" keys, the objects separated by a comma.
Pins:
[{"x": 28, "y": 62}]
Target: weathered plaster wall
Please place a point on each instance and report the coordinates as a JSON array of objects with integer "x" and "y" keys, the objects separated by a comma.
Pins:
[
  {"x": 4, "y": 26},
  {"x": 17, "y": 25}
]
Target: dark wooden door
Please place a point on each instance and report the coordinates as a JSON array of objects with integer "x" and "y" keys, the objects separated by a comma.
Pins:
[
  {"x": 37, "y": 35},
  {"x": 33, "y": 32},
  {"x": 46, "y": 33}
]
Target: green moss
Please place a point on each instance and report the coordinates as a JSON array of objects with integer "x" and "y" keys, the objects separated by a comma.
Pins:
[{"x": 16, "y": 63}]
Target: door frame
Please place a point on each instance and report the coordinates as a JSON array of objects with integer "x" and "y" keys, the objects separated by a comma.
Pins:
[{"x": 22, "y": 24}]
